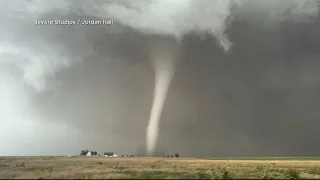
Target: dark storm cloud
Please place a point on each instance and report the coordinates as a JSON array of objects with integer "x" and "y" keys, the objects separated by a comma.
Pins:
[{"x": 259, "y": 98}]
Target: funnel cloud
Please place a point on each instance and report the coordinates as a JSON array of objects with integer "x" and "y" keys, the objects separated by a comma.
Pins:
[
  {"x": 164, "y": 60},
  {"x": 202, "y": 78}
]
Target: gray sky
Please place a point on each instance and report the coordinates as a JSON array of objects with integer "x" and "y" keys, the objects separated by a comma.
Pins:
[{"x": 64, "y": 89}]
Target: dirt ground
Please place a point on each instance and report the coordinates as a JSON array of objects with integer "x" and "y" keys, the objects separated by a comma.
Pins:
[{"x": 148, "y": 168}]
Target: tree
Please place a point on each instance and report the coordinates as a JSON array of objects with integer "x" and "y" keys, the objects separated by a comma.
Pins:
[
  {"x": 84, "y": 152},
  {"x": 177, "y": 155}
]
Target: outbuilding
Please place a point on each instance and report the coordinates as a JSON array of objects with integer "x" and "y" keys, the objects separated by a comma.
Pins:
[{"x": 109, "y": 154}]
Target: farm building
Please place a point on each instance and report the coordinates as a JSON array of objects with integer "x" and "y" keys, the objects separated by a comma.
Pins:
[{"x": 108, "y": 154}]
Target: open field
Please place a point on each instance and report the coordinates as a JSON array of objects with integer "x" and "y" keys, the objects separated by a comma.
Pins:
[{"x": 141, "y": 167}]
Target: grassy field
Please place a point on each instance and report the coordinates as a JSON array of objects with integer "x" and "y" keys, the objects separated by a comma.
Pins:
[{"x": 163, "y": 168}]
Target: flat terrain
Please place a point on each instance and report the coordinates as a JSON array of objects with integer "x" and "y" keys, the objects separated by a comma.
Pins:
[{"x": 163, "y": 168}]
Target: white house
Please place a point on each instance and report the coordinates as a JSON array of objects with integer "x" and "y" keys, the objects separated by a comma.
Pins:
[{"x": 89, "y": 154}]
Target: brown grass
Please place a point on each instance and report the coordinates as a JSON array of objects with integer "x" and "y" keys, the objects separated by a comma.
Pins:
[{"x": 148, "y": 168}]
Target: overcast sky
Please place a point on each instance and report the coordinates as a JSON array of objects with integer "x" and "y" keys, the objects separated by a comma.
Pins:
[{"x": 247, "y": 81}]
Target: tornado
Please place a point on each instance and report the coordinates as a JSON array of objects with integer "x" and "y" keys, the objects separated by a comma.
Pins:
[{"x": 164, "y": 62}]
